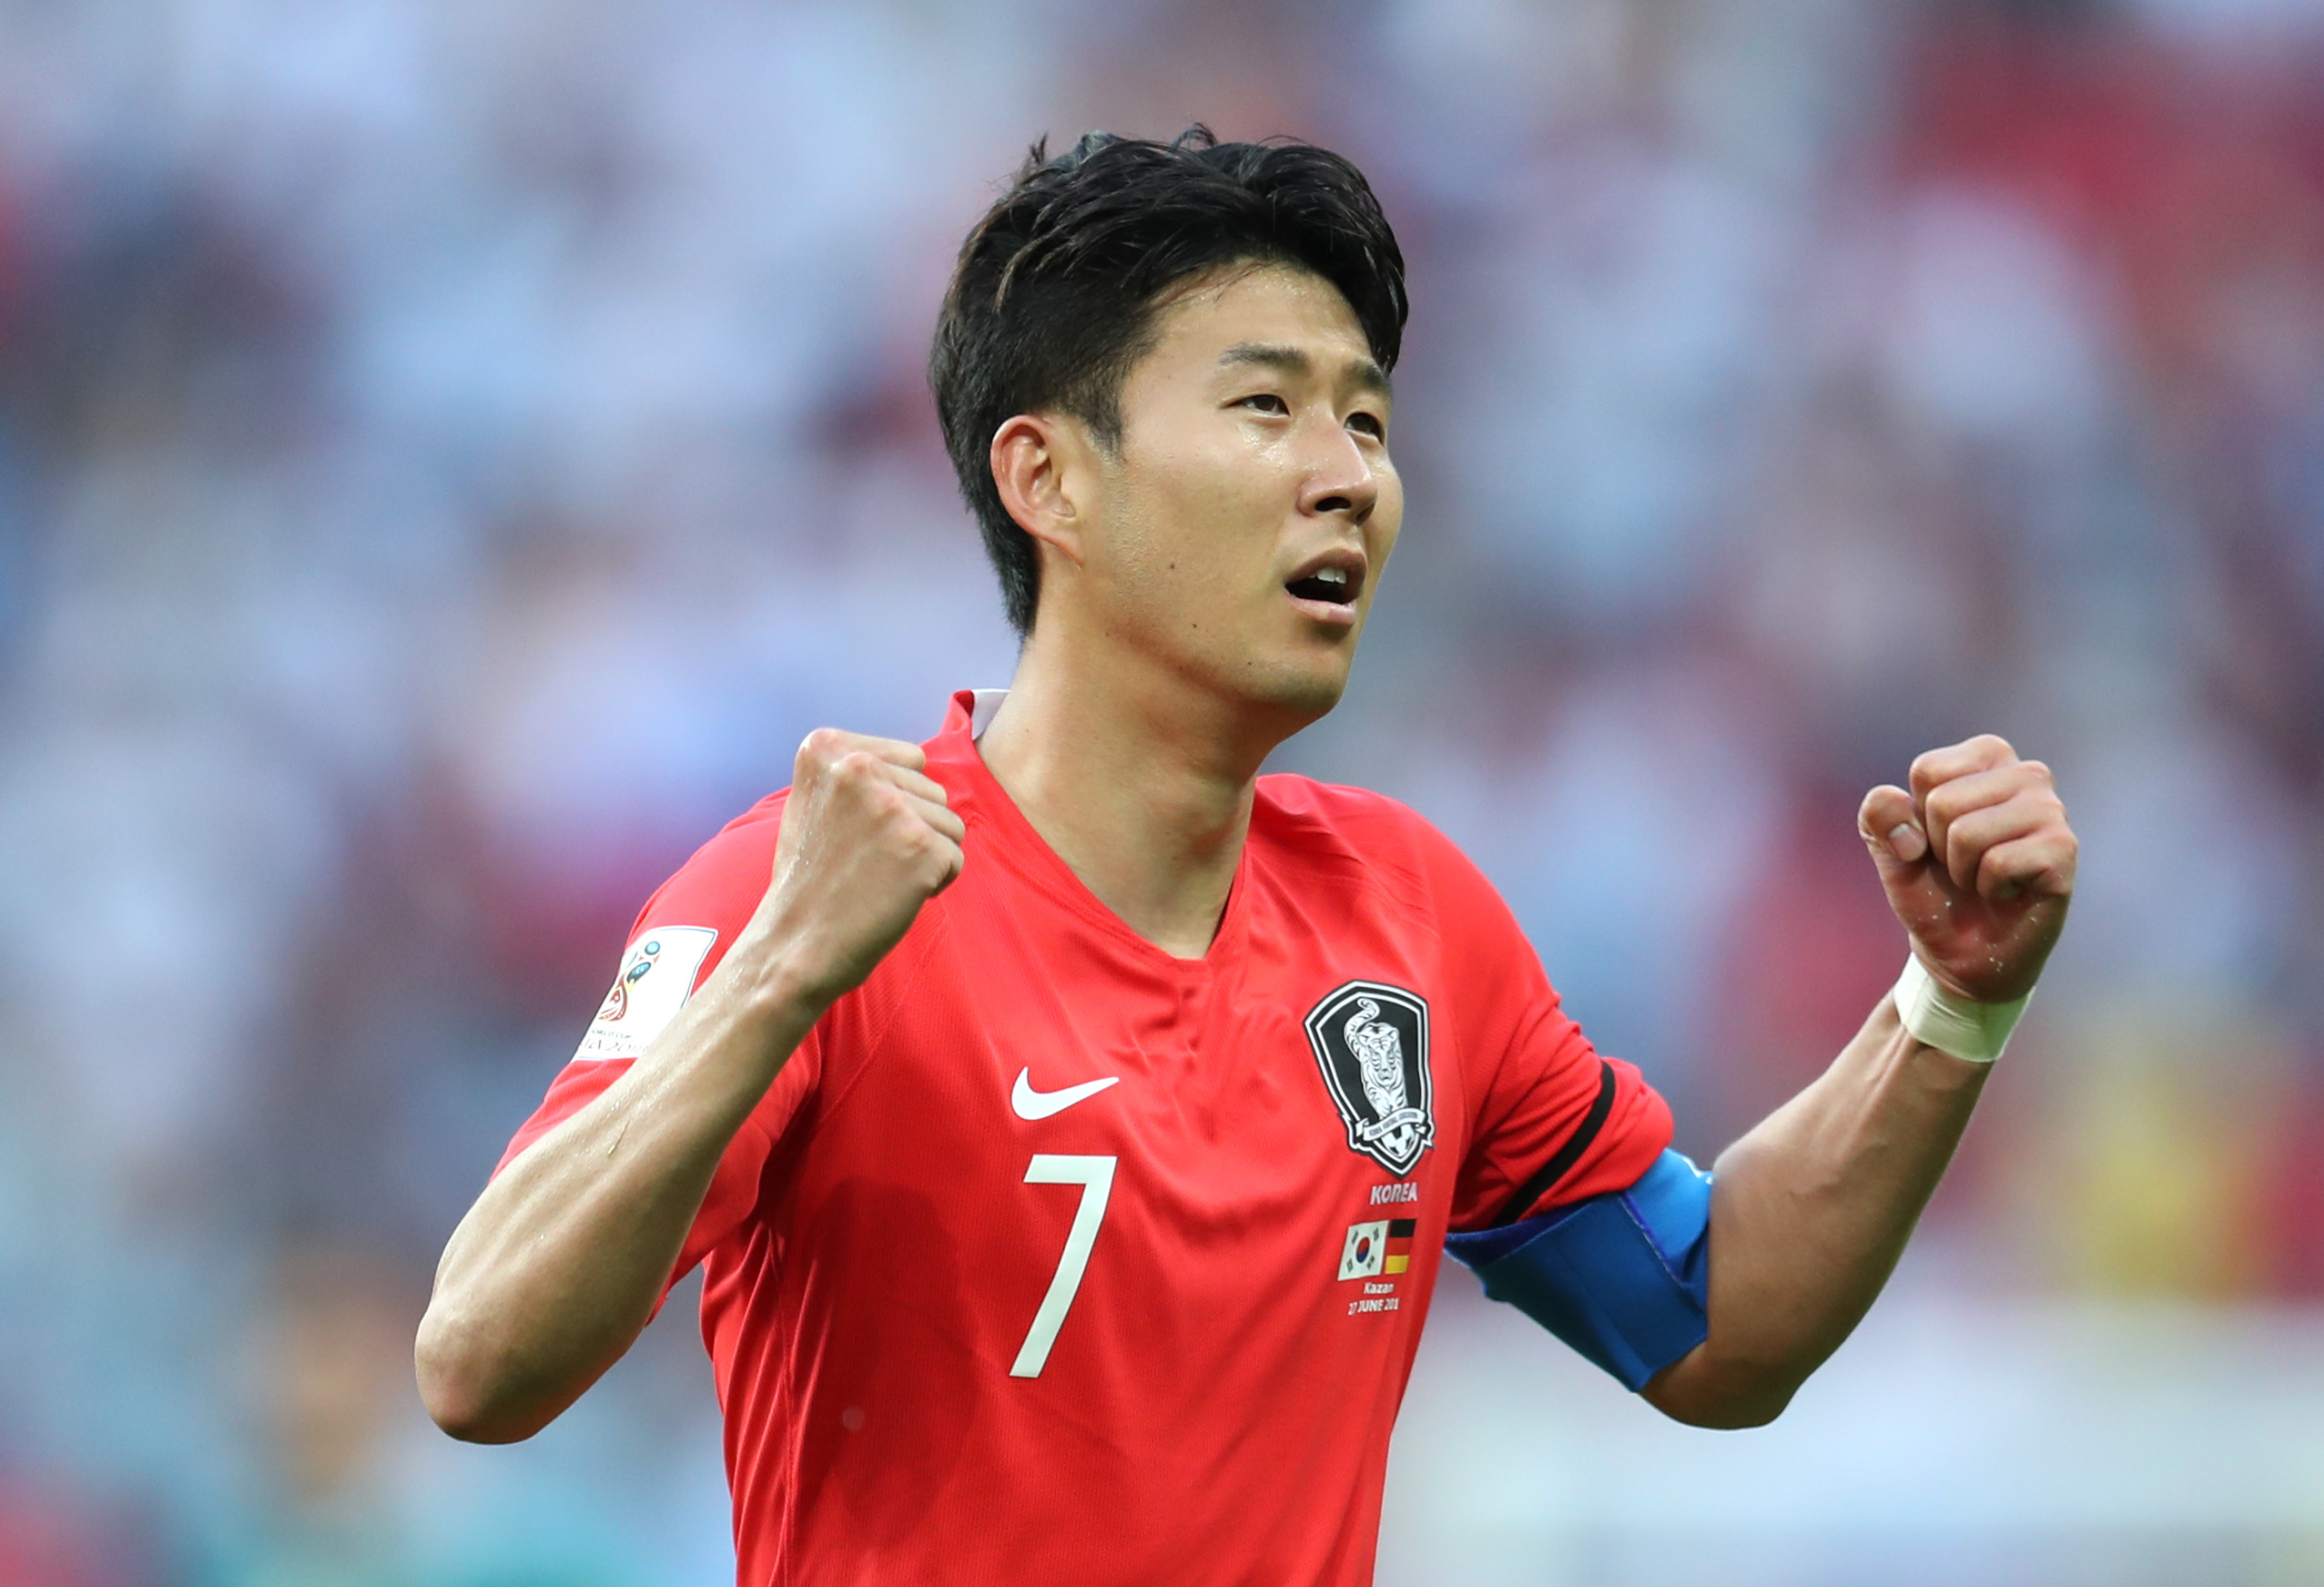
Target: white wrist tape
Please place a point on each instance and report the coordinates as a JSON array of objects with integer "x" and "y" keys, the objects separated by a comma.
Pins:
[{"x": 1950, "y": 1023}]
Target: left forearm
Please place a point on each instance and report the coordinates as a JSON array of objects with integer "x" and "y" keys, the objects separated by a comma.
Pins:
[
  {"x": 1809, "y": 1213},
  {"x": 1812, "y": 1209}
]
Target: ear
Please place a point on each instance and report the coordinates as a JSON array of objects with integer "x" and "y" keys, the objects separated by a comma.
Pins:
[{"x": 1040, "y": 464}]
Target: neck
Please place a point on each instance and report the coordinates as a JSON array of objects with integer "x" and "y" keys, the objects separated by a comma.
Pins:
[{"x": 1138, "y": 778}]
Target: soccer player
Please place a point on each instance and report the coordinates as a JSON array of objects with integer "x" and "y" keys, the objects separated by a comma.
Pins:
[{"x": 1069, "y": 1120}]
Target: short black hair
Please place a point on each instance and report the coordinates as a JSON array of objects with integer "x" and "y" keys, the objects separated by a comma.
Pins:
[{"x": 1056, "y": 292}]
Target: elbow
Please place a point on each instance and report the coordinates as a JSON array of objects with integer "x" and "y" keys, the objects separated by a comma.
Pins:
[
  {"x": 1733, "y": 1413},
  {"x": 1725, "y": 1395},
  {"x": 464, "y": 1392}
]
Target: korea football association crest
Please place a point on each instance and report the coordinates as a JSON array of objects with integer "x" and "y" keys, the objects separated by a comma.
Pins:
[{"x": 1372, "y": 1042}]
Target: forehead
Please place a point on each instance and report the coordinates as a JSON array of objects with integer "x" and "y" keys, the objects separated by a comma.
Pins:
[{"x": 1244, "y": 305}]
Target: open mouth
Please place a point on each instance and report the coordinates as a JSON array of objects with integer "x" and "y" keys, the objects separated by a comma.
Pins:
[{"x": 1331, "y": 584}]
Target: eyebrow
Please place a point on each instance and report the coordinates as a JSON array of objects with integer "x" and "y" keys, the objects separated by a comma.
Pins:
[{"x": 1293, "y": 360}]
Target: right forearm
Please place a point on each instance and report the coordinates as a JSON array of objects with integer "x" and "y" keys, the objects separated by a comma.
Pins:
[{"x": 561, "y": 1261}]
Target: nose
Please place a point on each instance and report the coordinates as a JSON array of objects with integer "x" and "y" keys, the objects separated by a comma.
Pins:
[{"x": 1339, "y": 477}]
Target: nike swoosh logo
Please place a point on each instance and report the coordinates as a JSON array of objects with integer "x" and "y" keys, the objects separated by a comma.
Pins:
[{"x": 1038, "y": 1104}]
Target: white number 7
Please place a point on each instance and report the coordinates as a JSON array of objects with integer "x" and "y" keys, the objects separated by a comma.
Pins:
[{"x": 1095, "y": 1176}]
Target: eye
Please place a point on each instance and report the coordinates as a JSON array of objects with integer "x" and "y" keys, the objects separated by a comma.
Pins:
[
  {"x": 1266, "y": 403},
  {"x": 1370, "y": 425}
]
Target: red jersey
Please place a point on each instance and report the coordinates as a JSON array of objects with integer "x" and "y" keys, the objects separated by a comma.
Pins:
[{"x": 1050, "y": 1258}]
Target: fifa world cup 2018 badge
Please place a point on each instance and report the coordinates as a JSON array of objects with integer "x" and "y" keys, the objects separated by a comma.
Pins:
[
  {"x": 1370, "y": 1041},
  {"x": 617, "y": 1000}
]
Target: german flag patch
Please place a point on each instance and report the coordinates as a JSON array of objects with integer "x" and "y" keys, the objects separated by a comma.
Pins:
[{"x": 1374, "y": 1250}]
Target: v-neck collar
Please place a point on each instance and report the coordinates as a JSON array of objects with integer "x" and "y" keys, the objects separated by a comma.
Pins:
[{"x": 1030, "y": 854}]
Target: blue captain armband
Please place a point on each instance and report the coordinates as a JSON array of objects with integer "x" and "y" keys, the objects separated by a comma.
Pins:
[{"x": 1624, "y": 1279}]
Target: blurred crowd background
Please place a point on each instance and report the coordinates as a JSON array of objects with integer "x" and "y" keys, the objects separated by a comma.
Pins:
[{"x": 450, "y": 454}]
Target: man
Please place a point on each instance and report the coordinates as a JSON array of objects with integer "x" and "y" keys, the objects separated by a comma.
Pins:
[{"x": 1068, "y": 1119}]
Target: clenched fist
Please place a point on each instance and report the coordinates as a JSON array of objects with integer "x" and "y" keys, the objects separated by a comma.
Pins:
[
  {"x": 866, "y": 839},
  {"x": 1978, "y": 861}
]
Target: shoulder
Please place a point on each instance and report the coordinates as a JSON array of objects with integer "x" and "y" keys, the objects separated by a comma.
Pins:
[
  {"x": 724, "y": 879},
  {"x": 1330, "y": 815},
  {"x": 1329, "y": 824},
  {"x": 1325, "y": 826}
]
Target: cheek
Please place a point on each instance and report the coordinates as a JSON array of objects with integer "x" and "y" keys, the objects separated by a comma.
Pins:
[
  {"x": 1194, "y": 533},
  {"x": 1387, "y": 522}
]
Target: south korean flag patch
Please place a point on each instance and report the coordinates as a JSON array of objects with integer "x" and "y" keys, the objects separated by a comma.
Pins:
[
  {"x": 656, "y": 978},
  {"x": 1370, "y": 1041}
]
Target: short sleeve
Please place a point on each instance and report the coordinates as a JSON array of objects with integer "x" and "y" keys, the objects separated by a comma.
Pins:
[
  {"x": 680, "y": 939},
  {"x": 1552, "y": 1122}
]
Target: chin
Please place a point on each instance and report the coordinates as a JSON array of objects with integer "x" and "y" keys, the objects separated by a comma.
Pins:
[{"x": 1306, "y": 694}]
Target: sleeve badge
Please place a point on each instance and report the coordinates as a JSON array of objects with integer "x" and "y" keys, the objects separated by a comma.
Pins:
[{"x": 657, "y": 978}]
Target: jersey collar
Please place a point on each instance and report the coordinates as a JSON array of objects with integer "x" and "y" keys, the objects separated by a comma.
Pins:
[{"x": 954, "y": 751}]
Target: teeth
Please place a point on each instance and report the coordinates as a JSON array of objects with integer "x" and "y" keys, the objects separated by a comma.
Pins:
[{"x": 1333, "y": 575}]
